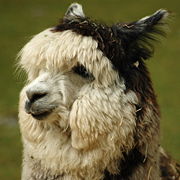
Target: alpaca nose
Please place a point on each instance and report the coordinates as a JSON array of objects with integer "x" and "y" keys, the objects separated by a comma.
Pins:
[
  {"x": 34, "y": 95},
  {"x": 35, "y": 104}
]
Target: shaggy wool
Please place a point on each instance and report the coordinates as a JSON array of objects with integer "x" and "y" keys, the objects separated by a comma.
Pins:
[{"x": 89, "y": 111}]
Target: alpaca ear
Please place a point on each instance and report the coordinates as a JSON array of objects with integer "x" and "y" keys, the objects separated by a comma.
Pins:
[
  {"x": 74, "y": 11},
  {"x": 135, "y": 36},
  {"x": 148, "y": 24}
]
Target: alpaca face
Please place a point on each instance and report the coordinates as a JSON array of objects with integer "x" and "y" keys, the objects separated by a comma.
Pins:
[
  {"x": 52, "y": 93},
  {"x": 66, "y": 62},
  {"x": 61, "y": 76}
]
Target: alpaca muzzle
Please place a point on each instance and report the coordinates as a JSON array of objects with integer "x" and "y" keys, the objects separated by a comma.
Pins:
[{"x": 37, "y": 106}]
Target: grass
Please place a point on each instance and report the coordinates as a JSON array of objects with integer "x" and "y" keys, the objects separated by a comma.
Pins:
[
  {"x": 21, "y": 19},
  {"x": 10, "y": 151}
]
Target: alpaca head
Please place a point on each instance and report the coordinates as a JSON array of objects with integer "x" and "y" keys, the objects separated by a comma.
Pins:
[{"x": 81, "y": 63}]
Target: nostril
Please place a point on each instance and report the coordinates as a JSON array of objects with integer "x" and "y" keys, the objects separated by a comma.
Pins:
[{"x": 35, "y": 95}]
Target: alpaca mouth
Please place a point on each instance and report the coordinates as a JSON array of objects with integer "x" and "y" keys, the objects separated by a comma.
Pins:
[
  {"x": 38, "y": 110},
  {"x": 42, "y": 115}
]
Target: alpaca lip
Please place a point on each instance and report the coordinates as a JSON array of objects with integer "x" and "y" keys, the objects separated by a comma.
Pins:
[
  {"x": 41, "y": 116},
  {"x": 37, "y": 112}
]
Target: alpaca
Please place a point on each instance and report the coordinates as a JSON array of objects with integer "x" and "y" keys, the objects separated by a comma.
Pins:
[{"x": 88, "y": 110}]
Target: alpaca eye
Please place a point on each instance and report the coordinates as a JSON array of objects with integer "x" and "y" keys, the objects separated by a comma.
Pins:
[{"x": 82, "y": 71}]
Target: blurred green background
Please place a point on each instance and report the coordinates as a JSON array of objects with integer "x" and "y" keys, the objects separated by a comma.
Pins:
[{"x": 20, "y": 19}]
